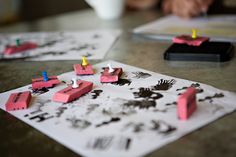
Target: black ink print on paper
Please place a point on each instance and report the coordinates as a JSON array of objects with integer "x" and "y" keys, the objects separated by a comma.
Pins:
[
  {"x": 50, "y": 53},
  {"x": 147, "y": 93},
  {"x": 107, "y": 112},
  {"x": 41, "y": 103},
  {"x": 78, "y": 123},
  {"x": 91, "y": 108},
  {"x": 87, "y": 55},
  {"x": 164, "y": 84},
  {"x": 96, "y": 36},
  {"x": 124, "y": 143},
  {"x": 141, "y": 75},
  {"x": 41, "y": 117},
  {"x": 195, "y": 85},
  {"x": 142, "y": 104},
  {"x": 162, "y": 127},
  {"x": 100, "y": 143},
  {"x": 112, "y": 120},
  {"x": 122, "y": 82},
  {"x": 136, "y": 127},
  {"x": 173, "y": 103},
  {"x": 96, "y": 93},
  {"x": 210, "y": 98},
  {"x": 124, "y": 112},
  {"x": 38, "y": 91},
  {"x": 60, "y": 111},
  {"x": 49, "y": 44},
  {"x": 159, "y": 110},
  {"x": 84, "y": 47}
]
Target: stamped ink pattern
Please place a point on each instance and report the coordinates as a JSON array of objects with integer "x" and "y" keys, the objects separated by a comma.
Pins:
[
  {"x": 141, "y": 75},
  {"x": 120, "y": 118},
  {"x": 61, "y": 46},
  {"x": 164, "y": 84}
]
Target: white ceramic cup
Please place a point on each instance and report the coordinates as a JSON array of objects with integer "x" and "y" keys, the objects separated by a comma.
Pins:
[{"x": 108, "y": 9}]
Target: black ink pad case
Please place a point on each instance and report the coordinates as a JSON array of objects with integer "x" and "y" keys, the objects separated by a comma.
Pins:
[{"x": 207, "y": 51}]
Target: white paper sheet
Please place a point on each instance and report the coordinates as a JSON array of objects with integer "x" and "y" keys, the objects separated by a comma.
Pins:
[
  {"x": 129, "y": 119},
  {"x": 94, "y": 44},
  {"x": 218, "y": 27}
]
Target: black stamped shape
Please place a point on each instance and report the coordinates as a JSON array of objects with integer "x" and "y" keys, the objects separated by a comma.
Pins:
[{"x": 164, "y": 84}]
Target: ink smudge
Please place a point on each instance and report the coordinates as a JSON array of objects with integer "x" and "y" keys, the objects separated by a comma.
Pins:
[
  {"x": 100, "y": 143},
  {"x": 96, "y": 93},
  {"x": 122, "y": 82},
  {"x": 41, "y": 117},
  {"x": 108, "y": 142},
  {"x": 158, "y": 110},
  {"x": 50, "y": 43},
  {"x": 144, "y": 104},
  {"x": 51, "y": 53},
  {"x": 173, "y": 103},
  {"x": 87, "y": 55},
  {"x": 139, "y": 75},
  {"x": 60, "y": 111},
  {"x": 136, "y": 127},
  {"x": 195, "y": 85},
  {"x": 162, "y": 127},
  {"x": 106, "y": 112},
  {"x": 38, "y": 91},
  {"x": 96, "y": 36},
  {"x": 40, "y": 106},
  {"x": 112, "y": 120},
  {"x": 210, "y": 98},
  {"x": 127, "y": 146},
  {"x": 78, "y": 123},
  {"x": 83, "y": 47},
  {"x": 91, "y": 108}
]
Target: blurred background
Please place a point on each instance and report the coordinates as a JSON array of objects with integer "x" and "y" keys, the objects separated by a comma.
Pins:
[
  {"x": 12, "y": 11},
  {"x": 27, "y": 10}
]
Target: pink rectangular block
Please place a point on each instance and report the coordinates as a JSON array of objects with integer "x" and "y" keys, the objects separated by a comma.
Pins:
[
  {"x": 39, "y": 83},
  {"x": 69, "y": 94},
  {"x": 186, "y": 104},
  {"x": 83, "y": 70},
  {"x": 186, "y": 39},
  {"x": 23, "y": 47},
  {"x": 107, "y": 77},
  {"x": 18, "y": 101}
]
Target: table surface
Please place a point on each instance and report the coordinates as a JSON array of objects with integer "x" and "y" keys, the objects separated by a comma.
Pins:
[{"x": 19, "y": 139}]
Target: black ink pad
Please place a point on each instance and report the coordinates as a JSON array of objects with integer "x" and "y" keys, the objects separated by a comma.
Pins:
[{"x": 208, "y": 51}]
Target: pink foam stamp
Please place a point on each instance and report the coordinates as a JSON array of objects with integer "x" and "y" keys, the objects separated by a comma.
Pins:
[
  {"x": 84, "y": 68},
  {"x": 186, "y": 39},
  {"x": 44, "y": 82},
  {"x": 12, "y": 49},
  {"x": 110, "y": 74},
  {"x": 73, "y": 92},
  {"x": 18, "y": 101},
  {"x": 193, "y": 40},
  {"x": 186, "y": 104}
]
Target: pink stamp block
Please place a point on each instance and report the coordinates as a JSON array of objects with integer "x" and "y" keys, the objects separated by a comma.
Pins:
[
  {"x": 107, "y": 77},
  {"x": 69, "y": 94},
  {"x": 186, "y": 104},
  {"x": 83, "y": 70},
  {"x": 39, "y": 83},
  {"x": 186, "y": 39},
  {"x": 18, "y": 101},
  {"x": 23, "y": 47}
]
